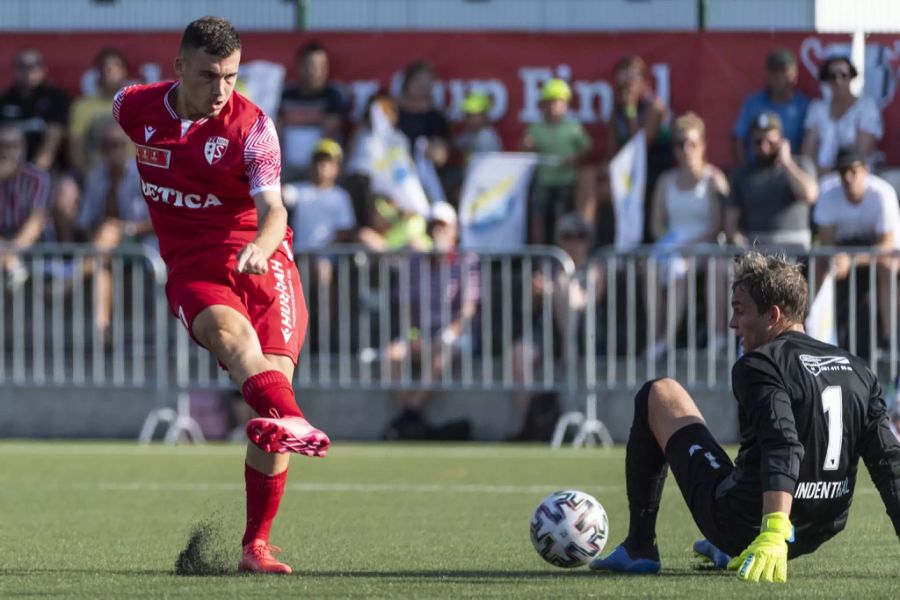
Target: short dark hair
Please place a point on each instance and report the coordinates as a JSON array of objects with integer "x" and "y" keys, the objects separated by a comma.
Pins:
[
  {"x": 780, "y": 60},
  {"x": 413, "y": 69},
  {"x": 108, "y": 53},
  {"x": 823, "y": 70},
  {"x": 213, "y": 35},
  {"x": 309, "y": 48},
  {"x": 773, "y": 280}
]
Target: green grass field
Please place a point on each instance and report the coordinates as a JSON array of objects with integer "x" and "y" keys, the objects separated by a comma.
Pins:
[{"x": 107, "y": 520}]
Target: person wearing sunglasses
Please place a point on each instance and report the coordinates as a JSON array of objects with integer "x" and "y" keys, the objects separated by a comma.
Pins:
[
  {"x": 842, "y": 119},
  {"x": 685, "y": 217}
]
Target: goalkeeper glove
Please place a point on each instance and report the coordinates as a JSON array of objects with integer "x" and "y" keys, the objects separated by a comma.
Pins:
[{"x": 765, "y": 559}]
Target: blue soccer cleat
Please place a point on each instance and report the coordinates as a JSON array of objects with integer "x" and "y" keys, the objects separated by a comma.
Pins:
[
  {"x": 618, "y": 561},
  {"x": 705, "y": 550}
]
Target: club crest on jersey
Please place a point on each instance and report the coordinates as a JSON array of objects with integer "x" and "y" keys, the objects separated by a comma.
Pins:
[
  {"x": 215, "y": 149},
  {"x": 820, "y": 364}
]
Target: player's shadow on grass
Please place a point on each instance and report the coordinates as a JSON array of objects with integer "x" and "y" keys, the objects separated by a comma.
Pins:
[
  {"x": 459, "y": 575},
  {"x": 131, "y": 572},
  {"x": 466, "y": 575}
]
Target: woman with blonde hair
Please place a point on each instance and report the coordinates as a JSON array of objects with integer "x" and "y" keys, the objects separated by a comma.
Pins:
[{"x": 686, "y": 212}]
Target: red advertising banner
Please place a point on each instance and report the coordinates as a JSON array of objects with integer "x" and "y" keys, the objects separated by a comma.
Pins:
[{"x": 709, "y": 73}]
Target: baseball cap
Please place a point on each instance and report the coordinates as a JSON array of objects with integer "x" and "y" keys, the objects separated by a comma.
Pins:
[
  {"x": 443, "y": 212},
  {"x": 329, "y": 148},
  {"x": 847, "y": 157},
  {"x": 766, "y": 121},
  {"x": 476, "y": 103},
  {"x": 780, "y": 59},
  {"x": 556, "y": 89}
]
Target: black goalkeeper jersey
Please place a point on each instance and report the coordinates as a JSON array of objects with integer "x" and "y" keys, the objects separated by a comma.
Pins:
[{"x": 808, "y": 411}]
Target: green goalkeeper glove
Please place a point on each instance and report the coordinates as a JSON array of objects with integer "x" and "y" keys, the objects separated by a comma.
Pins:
[{"x": 765, "y": 559}]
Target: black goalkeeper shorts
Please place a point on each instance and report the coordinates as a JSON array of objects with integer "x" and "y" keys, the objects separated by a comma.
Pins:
[{"x": 700, "y": 465}]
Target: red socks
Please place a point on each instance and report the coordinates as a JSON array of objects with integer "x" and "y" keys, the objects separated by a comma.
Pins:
[
  {"x": 263, "y": 497},
  {"x": 270, "y": 394}
]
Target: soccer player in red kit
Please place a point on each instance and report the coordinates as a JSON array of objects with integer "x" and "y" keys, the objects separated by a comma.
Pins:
[{"x": 210, "y": 169}]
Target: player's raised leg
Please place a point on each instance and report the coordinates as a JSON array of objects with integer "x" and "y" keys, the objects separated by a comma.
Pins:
[
  {"x": 281, "y": 426},
  {"x": 661, "y": 408}
]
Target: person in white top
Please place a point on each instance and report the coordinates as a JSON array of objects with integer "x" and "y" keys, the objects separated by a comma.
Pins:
[
  {"x": 321, "y": 211},
  {"x": 859, "y": 209},
  {"x": 841, "y": 120},
  {"x": 686, "y": 211}
]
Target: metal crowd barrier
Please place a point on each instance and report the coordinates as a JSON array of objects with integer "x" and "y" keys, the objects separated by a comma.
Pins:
[
  {"x": 593, "y": 329},
  {"x": 361, "y": 302},
  {"x": 640, "y": 310},
  {"x": 48, "y": 337}
]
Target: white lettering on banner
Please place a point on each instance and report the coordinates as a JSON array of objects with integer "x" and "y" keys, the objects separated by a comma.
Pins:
[
  {"x": 589, "y": 91},
  {"x": 592, "y": 98},
  {"x": 532, "y": 80},
  {"x": 822, "y": 490},
  {"x": 285, "y": 288},
  {"x": 177, "y": 198},
  {"x": 586, "y": 92}
]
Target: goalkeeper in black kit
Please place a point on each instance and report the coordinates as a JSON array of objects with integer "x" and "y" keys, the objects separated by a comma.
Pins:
[{"x": 808, "y": 412}]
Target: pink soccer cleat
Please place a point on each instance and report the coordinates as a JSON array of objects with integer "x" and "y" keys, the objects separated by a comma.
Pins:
[
  {"x": 288, "y": 434},
  {"x": 258, "y": 557}
]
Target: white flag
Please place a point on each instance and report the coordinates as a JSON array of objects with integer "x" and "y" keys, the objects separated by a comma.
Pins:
[
  {"x": 628, "y": 178},
  {"x": 494, "y": 198},
  {"x": 391, "y": 168},
  {"x": 858, "y": 57},
  {"x": 820, "y": 322},
  {"x": 263, "y": 81}
]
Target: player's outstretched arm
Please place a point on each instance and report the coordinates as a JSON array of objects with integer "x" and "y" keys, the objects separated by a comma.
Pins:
[{"x": 272, "y": 216}]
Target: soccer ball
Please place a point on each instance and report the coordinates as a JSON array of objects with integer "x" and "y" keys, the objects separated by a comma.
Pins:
[{"x": 569, "y": 528}]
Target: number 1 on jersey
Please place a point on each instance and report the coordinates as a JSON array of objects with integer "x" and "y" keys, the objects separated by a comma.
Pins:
[{"x": 832, "y": 401}]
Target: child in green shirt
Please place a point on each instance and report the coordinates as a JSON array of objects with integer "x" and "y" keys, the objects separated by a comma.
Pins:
[{"x": 562, "y": 143}]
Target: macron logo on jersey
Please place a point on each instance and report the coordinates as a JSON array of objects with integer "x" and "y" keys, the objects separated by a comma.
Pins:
[
  {"x": 824, "y": 364},
  {"x": 148, "y": 132},
  {"x": 172, "y": 197}
]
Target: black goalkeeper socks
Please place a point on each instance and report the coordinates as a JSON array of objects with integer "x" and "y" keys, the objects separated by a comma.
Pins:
[{"x": 645, "y": 476}]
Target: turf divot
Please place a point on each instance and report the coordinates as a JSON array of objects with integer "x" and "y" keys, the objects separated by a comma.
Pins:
[{"x": 207, "y": 552}]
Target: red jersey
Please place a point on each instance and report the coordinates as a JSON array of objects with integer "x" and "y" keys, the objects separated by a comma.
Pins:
[{"x": 199, "y": 177}]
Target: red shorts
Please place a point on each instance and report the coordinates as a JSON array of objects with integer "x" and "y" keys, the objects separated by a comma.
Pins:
[{"x": 273, "y": 303}]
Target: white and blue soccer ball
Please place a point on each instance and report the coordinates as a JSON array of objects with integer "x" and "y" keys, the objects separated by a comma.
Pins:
[{"x": 569, "y": 528}]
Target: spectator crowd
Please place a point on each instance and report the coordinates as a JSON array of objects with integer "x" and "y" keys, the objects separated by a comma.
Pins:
[{"x": 805, "y": 173}]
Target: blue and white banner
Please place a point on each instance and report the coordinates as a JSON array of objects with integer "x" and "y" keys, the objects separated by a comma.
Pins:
[
  {"x": 493, "y": 204},
  {"x": 392, "y": 170},
  {"x": 628, "y": 179}
]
